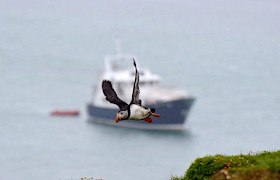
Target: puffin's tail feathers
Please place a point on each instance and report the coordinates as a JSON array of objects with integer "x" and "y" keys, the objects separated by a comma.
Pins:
[{"x": 153, "y": 110}]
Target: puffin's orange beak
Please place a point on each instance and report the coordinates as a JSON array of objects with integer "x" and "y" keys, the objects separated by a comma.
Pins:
[{"x": 117, "y": 118}]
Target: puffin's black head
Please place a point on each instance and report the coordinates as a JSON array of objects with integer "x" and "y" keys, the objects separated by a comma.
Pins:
[{"x": 121, "y": 115}]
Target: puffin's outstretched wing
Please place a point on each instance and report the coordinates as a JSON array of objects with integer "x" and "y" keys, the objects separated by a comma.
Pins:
[
  {"x": 136, "y": 91},
  {"x": 111, "y": 95}
]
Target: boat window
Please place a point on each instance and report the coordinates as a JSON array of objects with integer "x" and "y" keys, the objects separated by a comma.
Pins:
[
  {"x": 141, "y": 73},
  {"x": 147, "y": 83},
  {"x": 115, "y": 66},
  {"x": 144, "y": 83}
]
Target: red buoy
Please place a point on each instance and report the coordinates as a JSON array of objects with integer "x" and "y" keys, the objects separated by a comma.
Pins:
[{"x": 65, "y": 113}]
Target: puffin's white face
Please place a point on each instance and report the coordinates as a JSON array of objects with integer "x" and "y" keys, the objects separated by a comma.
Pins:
[{"x": 121, "y": 115}]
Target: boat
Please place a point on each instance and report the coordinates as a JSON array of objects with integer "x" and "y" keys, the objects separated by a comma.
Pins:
[{"x": 172, "y": 104}]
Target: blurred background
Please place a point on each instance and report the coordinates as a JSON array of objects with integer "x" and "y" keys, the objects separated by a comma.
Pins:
[{"x": 225, "y": 53}]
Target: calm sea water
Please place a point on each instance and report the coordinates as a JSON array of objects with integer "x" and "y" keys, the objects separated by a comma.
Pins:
[{"x": 226, "y": 53}]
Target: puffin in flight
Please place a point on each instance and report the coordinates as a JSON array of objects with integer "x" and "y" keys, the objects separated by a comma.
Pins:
[{"x": 132, "y": 111}]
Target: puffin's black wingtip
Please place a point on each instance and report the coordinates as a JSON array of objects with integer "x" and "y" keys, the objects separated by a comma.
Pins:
[
  {"x": 134, "y": 63},
  {"x": 105, "y": 82}
]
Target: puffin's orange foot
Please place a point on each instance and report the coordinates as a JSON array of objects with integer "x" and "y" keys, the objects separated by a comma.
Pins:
[
  {"x": 148, "y": 119},
  {"x": 156, "y": 115}
]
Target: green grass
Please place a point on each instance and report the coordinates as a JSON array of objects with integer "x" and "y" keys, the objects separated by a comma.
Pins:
[{"x": 264, "y": 165}]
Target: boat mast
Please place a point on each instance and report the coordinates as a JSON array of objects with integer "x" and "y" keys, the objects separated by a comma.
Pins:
[
  {"x": 118, "y": 47},
  {"x": 109, "y": 60}
]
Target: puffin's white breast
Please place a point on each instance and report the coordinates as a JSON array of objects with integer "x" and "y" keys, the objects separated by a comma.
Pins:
[{"x": 138, "y": 112}]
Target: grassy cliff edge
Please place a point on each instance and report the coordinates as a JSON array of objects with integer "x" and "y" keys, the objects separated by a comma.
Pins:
[{"x": 263, "y": 165}]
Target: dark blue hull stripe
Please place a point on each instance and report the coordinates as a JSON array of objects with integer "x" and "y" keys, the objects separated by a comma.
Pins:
[{"x": 172, "y": 113}]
